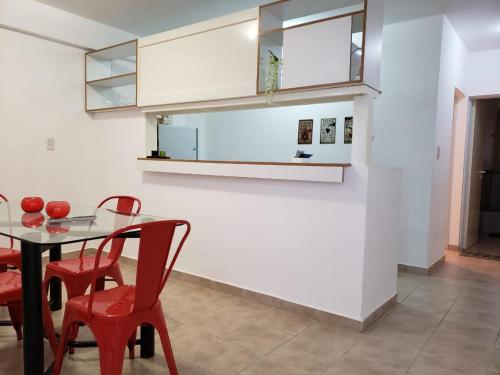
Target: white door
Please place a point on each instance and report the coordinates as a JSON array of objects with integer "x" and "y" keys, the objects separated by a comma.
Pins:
[
  {"x": 474, "y": 175},
  {"x": 179, "y": 142}
]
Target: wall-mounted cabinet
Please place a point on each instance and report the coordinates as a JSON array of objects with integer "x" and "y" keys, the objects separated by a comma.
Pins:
[
  {"x": 310, "y": 44},
  {"x": 211, "y": 60},
  {"x": 288, "y": 47},
  {"x": 111, "y": 78}
]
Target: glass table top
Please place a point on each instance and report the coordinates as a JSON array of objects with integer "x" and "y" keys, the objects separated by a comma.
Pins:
[{"x": 34, "y": 228}]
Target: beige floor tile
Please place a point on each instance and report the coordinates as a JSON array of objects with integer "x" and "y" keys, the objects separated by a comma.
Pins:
[
  {"x": 393, "y": 353},
  {"x": 469, "y": 329},
  {"x": 209, "y": 353},
  {"x": 458, "y": 347},
  {"x": 309, "y": 358},
  {"x": 429, "y": 364},
  {"x": 354, "y": 365},
  {"x": 408, "y": 325},
  {"x": 284, "y": 321},
  {"x": 495, "y": 361},
  {"x": 429, "y": 302},
  {"x": 269, "y": 367},
  {"x": 257, "y": 339},
  {"x": 226, "y": 320},
  {"x": 328, "y": 335}
]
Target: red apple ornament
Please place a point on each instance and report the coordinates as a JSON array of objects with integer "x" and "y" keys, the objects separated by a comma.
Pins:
[
  {"x": 32, "y": 204},
  {"x": 57, "y": 209}
]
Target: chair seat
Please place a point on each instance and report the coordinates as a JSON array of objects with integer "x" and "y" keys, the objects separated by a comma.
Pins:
[
  {"x": 109, "y": 303},
  {"x": 9, "y": 253},
  {"x": 10, "y": 287},
  {"x": 78, "y": 265}
]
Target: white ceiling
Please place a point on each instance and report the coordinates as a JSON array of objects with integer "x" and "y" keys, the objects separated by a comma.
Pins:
[{"x": 476, "y": 21}]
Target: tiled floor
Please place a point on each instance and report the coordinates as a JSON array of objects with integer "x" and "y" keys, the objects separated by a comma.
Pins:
[
  {"x": 446, "y": 324},
  {"x": 486, "y": 246}
]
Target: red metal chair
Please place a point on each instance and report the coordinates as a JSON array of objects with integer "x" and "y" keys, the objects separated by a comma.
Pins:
[
  {"x": 76, "y": 274},
  {"x": 113, "y": 315},
  {"x": 9, "y": 256},
  {"x": 11, "y": 296}
]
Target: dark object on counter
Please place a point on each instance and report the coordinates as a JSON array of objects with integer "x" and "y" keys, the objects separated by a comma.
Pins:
[
  {"x": 302, "y": 155},
  {"x": 158, "y": 157},
  {"x": 154, "y": 154}
]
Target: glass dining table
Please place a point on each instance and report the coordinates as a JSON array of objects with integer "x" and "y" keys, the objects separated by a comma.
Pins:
[{"x": 37, "y": 235}]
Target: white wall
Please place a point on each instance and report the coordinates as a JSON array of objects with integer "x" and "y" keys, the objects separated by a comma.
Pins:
[
  {"x": 483, "y": 74},
  {"x": 39, "y": 19},
  {"x": 268, "y": 134},
  {"x": 299, "y": 241},
  {"x": 451, "y": 76},
  {"x": 404, "y": 123}
]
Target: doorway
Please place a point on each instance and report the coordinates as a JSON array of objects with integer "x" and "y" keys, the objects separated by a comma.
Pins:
[{"x": 480, "y": 219}]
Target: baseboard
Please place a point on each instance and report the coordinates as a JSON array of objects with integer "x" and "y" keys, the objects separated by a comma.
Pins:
[
  {"x": 265, "y": 299},
  {"x": 379, "y": 313},
  {"x": 422, "y": 270},
  {"x": 453, "y": 247},
  {"x": 282, "y": 304}
]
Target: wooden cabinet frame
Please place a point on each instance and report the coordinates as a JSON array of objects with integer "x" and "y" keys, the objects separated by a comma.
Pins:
[
  {"x": 87, "y": 82},
  {"x": 312, "y": 87}
]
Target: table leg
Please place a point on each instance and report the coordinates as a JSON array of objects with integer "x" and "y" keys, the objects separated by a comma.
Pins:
[
  {"x": 55, "y": 283},
  {"x": 32, "y": 308},
  {"x": 147, "y": 341}
]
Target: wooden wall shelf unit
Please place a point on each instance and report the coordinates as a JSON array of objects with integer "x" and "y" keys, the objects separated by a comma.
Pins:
[
  {"x": 111, "y": 78},
  {"x": 320, "y": 43}
]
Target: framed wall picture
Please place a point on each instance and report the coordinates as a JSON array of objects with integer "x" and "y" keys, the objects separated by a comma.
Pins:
[
  {"x": 348, "y": 130},
  {"x": 305, "y": 132},
  {"x": 328, "y": 131}
]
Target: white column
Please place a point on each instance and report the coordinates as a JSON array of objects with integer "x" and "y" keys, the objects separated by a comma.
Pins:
[{"x": 362, "y": 130}]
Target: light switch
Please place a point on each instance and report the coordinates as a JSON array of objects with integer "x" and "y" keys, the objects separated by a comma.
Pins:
[
  {"x": 438, "y": 153},
  {"x": 50, "y": 144}
]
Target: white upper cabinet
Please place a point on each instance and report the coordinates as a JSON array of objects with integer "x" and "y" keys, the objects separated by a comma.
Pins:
[
  {"x": 317, "y": 54},
  {"x": 215, "y": 59}
]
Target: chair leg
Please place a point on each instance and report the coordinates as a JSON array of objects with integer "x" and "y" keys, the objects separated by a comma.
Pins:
[
  {"x": 110, "y": 358},
  {"x": 63, "y": 345},
  {"x": 131, "y": 345},
  {"x": 16, "y": 317},
  {"x": 161, "y": 327},
  {"x": 74, "y": 291},
  {"x": 48, "y": 324}
]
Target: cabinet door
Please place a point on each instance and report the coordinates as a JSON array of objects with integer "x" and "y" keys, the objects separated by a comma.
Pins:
[
  {"x": 317, "y": 54},
  {"x": 216, "y": 64}
]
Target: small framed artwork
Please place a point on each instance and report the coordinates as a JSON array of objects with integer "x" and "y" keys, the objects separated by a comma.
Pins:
[
  {"x": 305, "y": 132},
  {"x": 327, "y": 131},
  {"x": 348, "y": 130}
]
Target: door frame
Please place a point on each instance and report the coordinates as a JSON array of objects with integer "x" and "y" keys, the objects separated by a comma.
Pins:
[{"x": 469, "y": 140}]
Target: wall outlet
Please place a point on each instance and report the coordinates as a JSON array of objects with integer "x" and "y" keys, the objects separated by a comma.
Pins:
[{"x": 50, "y": 145}]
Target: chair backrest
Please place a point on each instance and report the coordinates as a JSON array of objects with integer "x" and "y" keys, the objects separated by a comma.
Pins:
[
  {"x": 154, "y": 250},
  {"x": 4, "y": 199},
  {"x": 125, "y": 206}
]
